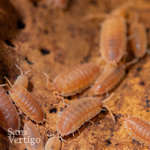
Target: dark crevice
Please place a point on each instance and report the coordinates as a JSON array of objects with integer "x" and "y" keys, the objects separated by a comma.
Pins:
[
  {"x": 45, "y": 51},
  {"x": 53, "y": 110},
  {"x": 9, "y": 43},
  {"x": 28, "y": 61},
  {"x": 20, "y": 25},
  {"x": 108, "y": 142}
]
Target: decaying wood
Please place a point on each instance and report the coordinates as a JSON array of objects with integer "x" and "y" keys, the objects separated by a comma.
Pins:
[{"x": 38, "y": 37}]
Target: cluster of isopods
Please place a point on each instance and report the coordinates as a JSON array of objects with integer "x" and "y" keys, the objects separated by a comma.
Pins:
[
  {"x": 10, "y": 120},
  {"x": 101, "y": 79},
  {"x": 113, "y": 43}
]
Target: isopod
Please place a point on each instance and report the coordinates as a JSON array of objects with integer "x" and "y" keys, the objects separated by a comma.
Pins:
[
  {"x": 113, "y": 32},
  {"x": 59, "y": 3},
  {"x": 109, "y": 78},
  {"x": 10, "y": 119},
  {"x": 76, "y": 79},
  {"x": 79, "y": 112},
  {"x": 53, "y": 143},
  {"x": 32, "y": 137},
  {"x": 22, "y": 80},
  {"x": 139, "y": 40},
  {"x": 139, "y": 129},
  {"x": 113, "y": 39},
  {"x": 26, "y": 103}
]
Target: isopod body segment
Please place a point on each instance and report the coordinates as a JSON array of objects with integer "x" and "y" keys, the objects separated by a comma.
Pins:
[
  {"x": 22, "y": 80},
  {"x": 139, "y": 129},
  {"x": 108, "y": 79},
  {"x": 76, "y": 79},
  {"x": 26, "y": 103},
  {"x": 77, "y": 113},
  {"x": 113, "y": 39},
  {"x": 32, "y": 135},
  {"x": 53, "y": 143},
  {"x": 8, "y": 113}
]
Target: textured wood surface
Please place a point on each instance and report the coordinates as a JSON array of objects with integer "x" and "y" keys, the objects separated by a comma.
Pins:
[{"x": 36, "y": 36}]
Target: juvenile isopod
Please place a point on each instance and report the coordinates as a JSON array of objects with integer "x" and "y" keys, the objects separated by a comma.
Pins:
[
  {"x": 9, "y": 116},
  {"x": 139, "y": 40},
  {"x": 76, "y": 79},
  {"x": 26, "y": 103},
  {"x": 109, "y": 78},
  {"x": 138, "y": 129},
  {"x": 79, "y": 112},
  {"x": 53, "y": 143},
  {"x": 59, "y": 3},
  {"x": 32, "y": 137},
  {"x": 22, "y": 80}
]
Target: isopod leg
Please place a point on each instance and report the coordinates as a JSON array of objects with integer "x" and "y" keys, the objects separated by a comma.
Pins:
[
  {"x": 27, "y": 71},
  {"x": 131, "y": 62},
  {"x": 91, "y": 121},
  {"x": 4, "y": 85},
  {"x": 45, "y": 120},
  {"x": 8, "y": 81},
  {"x": 49, "y": 84},
  {"x": 50, "y": 135},
  {"x": 110, "y": 112},
  {"x": 78, "y": 131},
  {"x": 107, "y": 99},
  {"x": 19, "y": 69},
  {"x": 60, "y": 137},
  {"x": 73, "y": 134},
  {"x": 96, "y": 16},
  {"x": 20, "y": 112}
]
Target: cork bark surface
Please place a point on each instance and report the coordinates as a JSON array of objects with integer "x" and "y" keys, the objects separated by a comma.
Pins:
[{"x": 36, "y": 36}]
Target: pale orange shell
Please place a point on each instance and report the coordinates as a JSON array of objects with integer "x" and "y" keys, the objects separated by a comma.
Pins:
[
  {"x": 76, "y": 79},
  {"x": 139, "y": 40},
  {"x": 109, "y": 78},
  {"x": 53, "y": 143},
  {"x": 113, "y": 39},
  {"x": 26, "y": 103},
  {"x": 33, "y": 139},
  {"x": 139, "y": 129},
  {"x": 77, "y": 113},
  {"x": 8, "y": 113},
  {"x": 22, "y": 80}
]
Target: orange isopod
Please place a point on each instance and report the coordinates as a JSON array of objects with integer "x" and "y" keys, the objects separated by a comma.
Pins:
[
  {"x": 32, "y": 138},
  {"x": 76, "y": 79},
  {"x": 139, "y": 129},
  {"x": 109, "y": 78},
  {"x": 79, "y": 112},
  {"x": 22, "y": 80},
  {"x": 139, "y": 40},
  {"x": 10, "y": 119},
  {"x": 59, "y": 3},
  {"x": 113, "y": 39},
  {"x": 26, "y": 103},
  {"x": 53, "y": 143}
]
